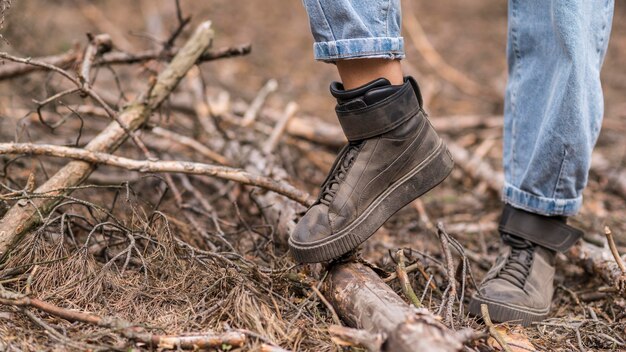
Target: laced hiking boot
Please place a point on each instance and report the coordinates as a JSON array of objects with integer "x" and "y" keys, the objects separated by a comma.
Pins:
[
  {"x": 393, "y": 156},
  {"x": 519, "y": 287}
]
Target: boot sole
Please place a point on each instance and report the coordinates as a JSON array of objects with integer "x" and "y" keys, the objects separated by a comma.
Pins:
[
  {"x": 506, "y": 313},
  {"x": 428, "y": 174}
]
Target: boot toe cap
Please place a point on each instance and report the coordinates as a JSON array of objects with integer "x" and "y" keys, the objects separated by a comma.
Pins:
[
  {"x": 498, "y": 290},
  {"x": 313, "y": 226}
]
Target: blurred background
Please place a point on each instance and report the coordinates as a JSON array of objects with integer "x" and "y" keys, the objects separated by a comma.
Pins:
[{"x": 470, "y": 35}]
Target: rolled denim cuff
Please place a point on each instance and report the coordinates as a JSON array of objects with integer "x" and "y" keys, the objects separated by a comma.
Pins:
[
  {"x": 540, "y": 205},
  {"x": 360, "y": 48}
]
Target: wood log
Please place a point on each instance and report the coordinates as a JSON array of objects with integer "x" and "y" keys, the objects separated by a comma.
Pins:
[
  {"x": 601, "y": 262},
  {"x": 19, "y": 219},
  {"x": 364, "y": 301}
]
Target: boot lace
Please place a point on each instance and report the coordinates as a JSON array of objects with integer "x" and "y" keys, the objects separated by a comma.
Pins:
[
  {"x": 517, "y": 266},
  {"x": 339, "y": 172}
]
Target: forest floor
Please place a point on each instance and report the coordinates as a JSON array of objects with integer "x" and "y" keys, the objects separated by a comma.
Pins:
[{"x": 178, "y": 254}]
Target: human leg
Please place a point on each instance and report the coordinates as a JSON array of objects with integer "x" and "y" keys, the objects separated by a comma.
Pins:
[
  {"x": 393, "y": 155},
  {"x": 553, "y": 113}
]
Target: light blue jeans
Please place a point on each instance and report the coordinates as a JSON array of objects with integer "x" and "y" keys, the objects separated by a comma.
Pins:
[{"x": 553, "y": 103}]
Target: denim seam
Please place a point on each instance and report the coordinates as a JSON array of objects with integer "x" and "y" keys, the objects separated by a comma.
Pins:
[
  {"x": 557, "y": 186},
  {"x": 515, "y": 89},
  {"x": 368, "y": 53},
  {"x": 386, "y": 53},
  {"x": 386, "y": 16},
  {"x": 603, "y": 32}
]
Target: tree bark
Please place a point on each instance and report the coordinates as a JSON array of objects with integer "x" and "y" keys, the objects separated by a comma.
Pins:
[{"x": 364, "y": 301}]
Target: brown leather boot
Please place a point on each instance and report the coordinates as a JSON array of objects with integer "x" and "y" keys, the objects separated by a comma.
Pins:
[
  {"x": 519, "y": 287},
  {"x": 393, "y": 157}
]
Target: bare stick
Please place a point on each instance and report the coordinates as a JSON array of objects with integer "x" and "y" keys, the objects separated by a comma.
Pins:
[
  {"x": 115, "y": 58},
  {"x": 191, "y": 143},
  {"x": 411, "y": 268},
  {"x": 271, "y": 348},
  {"x": 327, "y": 304},
  {"x": 18, "y": 220},
  {"x": 447, "y": 255},
  {"x": 127, "y": 329},
  {"x": 601, "y": 262},
  {"x": 280, "y": 127},
  {"x": 345, "y": 336},
  {"x": 404, "y": 280},
  {"x": 257, "y": 103},
  {"x": 97, "y": 45},
  {"x": 476, "y": 168},
  {"x": 184, "y": 167},
  {"x": 484, "y": 310},
  {"x": 614, "y": 251}
]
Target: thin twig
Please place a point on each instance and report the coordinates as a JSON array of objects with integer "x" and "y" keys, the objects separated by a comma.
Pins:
[
  {"x": 484, "y": 309},
  {"x": 327, "y": 304},
  {"x": 448, "y": 260},
  {"x": 127, "y": 329},
  {"x": 280, "y": 128},
  {"x": 66, "y": 60},
  {"x": 145, "y": 166},
  {"x": 614, "y": 251},
  {"x": 258, "y": 102},
  {"x": 404, "y": 280}
]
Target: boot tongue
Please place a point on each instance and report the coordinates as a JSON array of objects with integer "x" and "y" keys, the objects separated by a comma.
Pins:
[
  {"x": 363, "y": 96},
  {"x": 519, "y": 261}
]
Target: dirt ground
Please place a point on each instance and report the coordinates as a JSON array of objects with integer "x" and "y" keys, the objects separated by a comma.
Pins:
[{"x": 470, "y": 36}]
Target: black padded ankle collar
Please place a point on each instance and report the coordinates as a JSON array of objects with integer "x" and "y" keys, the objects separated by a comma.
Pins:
[
  {"x": 542, "y": 230},
  {"x": 384, "y": 116}
]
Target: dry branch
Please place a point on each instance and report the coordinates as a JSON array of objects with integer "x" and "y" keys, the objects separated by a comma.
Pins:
[
  {"x": 364, "y": 301},
  {"x": 127, "y": 329},
  {"x": 18, "y": 220},
  {"x": 67, "y": 60},
  {"x": 185, "y": 167},
  {"x": 475, "y": 167},
  {"x": 492, "y": 328},
  {"x": 344, "y": 336},
  {"x": 601, "y": 262},
  {"x": 190, "y": 143},
  {"x": 404, "y": 280}
]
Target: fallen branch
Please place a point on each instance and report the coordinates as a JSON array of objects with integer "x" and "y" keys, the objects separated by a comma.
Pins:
[
  {"x": 364, "y": 301},
  {"x": 404, "y": 280},
  {"x": 18, "y": 220},
  {"x": 125, "y": 328},
  {"x": 253, "y": 110},
  {"x": 475, "y": 167},
  {"x": 450, "y": 294},
  {"x": 613, "y": 248},
  {"x": 190, "y": 143},
  {"x": 601, "y": 262},
  {"x": 345, "y": 336},
  {"x": 70, "y": 58},
  {"x": 185, "y": 167},
  {"x": 484, "y": 310}
]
